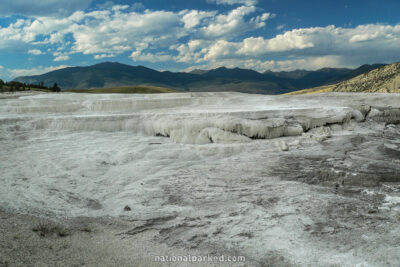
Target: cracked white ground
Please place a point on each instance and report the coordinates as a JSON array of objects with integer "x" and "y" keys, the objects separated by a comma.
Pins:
[{"x": 311, "y": 180}]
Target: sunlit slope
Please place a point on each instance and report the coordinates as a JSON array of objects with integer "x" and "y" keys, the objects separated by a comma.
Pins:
[
  {"x": 382, "y": 80},
  {"x": 315, "y": 90}
]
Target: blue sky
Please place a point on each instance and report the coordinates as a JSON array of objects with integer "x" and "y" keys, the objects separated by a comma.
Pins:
[{"x": 181, "y": 35}]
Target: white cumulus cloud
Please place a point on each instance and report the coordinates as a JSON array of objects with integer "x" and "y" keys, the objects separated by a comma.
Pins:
[
  {"x": 234, "y": 2},
  {"x": 149, "y": 57},
  {"x": 233, "y": 23},
  {"x": 35, "y": 52},
  {"x": 61, "y": 58},
  {"x": 33, "y": 71},
  {"x": 193, "y": 18}
]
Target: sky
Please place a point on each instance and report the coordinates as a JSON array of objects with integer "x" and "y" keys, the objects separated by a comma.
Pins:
[{"x": 182, "y": 35}]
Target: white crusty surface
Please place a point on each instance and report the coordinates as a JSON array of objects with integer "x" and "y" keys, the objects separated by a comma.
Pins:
[{"x": 308, "y": 180}]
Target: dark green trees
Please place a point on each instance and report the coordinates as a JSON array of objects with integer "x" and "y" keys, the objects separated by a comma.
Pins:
[
  {"x": 13, "y": 86},
  {"x": 55, "y": 88}
]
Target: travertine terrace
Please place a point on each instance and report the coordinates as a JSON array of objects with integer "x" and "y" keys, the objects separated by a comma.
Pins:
[{"x": 286, "y": 180}]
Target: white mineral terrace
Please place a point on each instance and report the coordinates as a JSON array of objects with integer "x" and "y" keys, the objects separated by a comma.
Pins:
[{"x": 304, "y": 180}]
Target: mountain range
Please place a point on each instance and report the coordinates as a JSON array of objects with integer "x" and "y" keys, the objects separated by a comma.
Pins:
[{"x": 112, "y": 74}]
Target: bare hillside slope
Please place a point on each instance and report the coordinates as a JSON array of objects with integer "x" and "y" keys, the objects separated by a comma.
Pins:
[{"x": 382, "y": 80}]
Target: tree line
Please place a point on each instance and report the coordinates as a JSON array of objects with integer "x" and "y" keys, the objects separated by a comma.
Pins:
[{"x": 18, "y": 86}]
